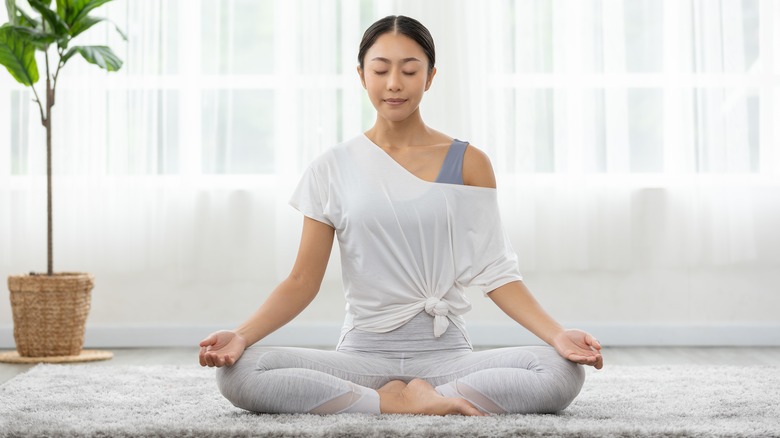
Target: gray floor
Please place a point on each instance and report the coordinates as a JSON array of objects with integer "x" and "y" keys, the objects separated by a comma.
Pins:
[{"x": 612, "y": 356}]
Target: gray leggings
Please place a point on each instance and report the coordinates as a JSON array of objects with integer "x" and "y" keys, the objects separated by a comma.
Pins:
[{"x": 300, "y": 380}]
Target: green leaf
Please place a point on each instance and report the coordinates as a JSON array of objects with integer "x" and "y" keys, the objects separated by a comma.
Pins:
[
  {"x": 39, "y": 39},
  {"x": 17, "y": 54},
  {"x": 87, "y": 22},
  {"x": 17, "y": 16},
  {"x": 84, "y": 24},
  {"x": 62, "y": 9},
  {"x": 102, "y": 56},
  {"x": 75, "y": 10},
  {"x": 57, "y": 25},
  {"x": 124, "y": 35},
  {"x": 10, "y": 6},
  {"x": 26, "y": 20}
]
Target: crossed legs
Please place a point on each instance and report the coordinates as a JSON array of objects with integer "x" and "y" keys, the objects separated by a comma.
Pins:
[{"x": 298, "y": 380}]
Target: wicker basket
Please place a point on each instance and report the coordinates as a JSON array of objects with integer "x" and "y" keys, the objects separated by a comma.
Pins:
[{"x": 50, "y": 313}]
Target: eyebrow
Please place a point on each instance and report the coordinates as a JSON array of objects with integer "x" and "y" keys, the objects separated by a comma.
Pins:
[{"x": 403, "y": 61}]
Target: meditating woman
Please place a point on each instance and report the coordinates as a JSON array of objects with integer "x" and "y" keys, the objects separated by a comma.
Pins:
[{"x": 417, "y": 220}]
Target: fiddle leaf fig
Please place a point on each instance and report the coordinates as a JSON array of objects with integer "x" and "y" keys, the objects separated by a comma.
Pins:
[
  {"x": 52, "y": 19},
  {"x": 101, "y": 56},
  {"x": 23, "y": 35},
  {"x": 17, "y": 54}
]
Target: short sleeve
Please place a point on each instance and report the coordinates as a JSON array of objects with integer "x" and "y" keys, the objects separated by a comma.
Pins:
[
  {"x": 494, "y": 267},
  {"x": 310, "y": 197},
  {"x": 484, "y": 255}
]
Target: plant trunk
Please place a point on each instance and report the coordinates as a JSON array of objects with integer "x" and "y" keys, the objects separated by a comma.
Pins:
[{"x": 49, "y": 103}]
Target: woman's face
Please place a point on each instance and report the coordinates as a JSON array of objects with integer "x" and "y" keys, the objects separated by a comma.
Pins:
[{"x": 395, "y": 75}]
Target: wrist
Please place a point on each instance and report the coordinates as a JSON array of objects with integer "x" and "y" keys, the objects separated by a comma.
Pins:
[
  {"x": 555, "y": 334},
  {"x": 242, "y": 336}
]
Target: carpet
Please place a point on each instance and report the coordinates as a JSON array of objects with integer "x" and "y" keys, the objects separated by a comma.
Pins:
[{"x": 126, "y": 401}]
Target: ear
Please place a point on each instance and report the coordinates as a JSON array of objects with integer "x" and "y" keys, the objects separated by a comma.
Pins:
[
  {"x": 362, "y": 76},
  {"x": 429, "y": 81}
]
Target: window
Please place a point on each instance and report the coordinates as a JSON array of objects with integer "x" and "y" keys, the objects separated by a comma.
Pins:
[{"x": 261, "y": 87}]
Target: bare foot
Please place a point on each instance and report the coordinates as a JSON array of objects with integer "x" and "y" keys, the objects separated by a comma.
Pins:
[
  {"x": 420, "y": 397},
  {"x": 393, "y": 387}
]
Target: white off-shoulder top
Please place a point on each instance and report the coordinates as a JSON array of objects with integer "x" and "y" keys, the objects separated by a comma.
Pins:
[{"x": 406, "y": 244}]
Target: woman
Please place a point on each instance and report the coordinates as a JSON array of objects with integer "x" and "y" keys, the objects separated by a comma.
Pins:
[{"x": 417, "y": 220}]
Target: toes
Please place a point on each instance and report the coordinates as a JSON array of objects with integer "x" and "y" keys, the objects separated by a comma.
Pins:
[{"x": 467, "y": 408}]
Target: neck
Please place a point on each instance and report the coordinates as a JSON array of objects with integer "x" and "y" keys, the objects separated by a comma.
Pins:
[{"x": 399, "y": 134}]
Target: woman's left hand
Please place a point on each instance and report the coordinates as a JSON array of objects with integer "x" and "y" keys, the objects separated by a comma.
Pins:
[{"x": 579, "y": 347}]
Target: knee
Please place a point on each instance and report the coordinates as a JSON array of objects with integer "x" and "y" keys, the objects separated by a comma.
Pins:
[
  {"x": 565, "y": 379},
  {"x": 253, "y": 382},
  {"x": 241, "y": 384},
  {"x": 231, "y": 382},
  {"x": 556, "y": 384}
]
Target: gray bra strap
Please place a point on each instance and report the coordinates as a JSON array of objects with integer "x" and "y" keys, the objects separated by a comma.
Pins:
[{"x": 452, "y": 170}]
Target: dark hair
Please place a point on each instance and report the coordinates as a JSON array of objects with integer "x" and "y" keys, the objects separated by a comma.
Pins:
[{"x": 405, "y": 26}]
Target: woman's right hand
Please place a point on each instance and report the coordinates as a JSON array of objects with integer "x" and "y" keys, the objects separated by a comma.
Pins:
[{"x": 222, "y": 348}]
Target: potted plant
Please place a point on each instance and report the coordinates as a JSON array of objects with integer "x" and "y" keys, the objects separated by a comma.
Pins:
[{"x": 50, "y": 310}]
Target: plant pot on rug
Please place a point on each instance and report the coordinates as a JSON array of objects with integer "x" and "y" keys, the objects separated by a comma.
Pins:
[
  {"x": 50, "y": 309},
  {"x": 50, "y": 313}
]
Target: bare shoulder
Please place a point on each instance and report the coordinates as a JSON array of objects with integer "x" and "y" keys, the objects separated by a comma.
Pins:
[{"x": 477, "y": 170}]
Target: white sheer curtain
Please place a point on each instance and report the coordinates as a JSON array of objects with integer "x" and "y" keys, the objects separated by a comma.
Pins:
[
  {"x": 633, "y": 141},
  {"x": 594, "y": 111}
]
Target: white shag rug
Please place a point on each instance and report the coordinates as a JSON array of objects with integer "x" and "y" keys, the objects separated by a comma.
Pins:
[{"x": 127, "y": 401}]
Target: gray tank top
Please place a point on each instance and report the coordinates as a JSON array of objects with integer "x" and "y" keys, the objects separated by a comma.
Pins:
[{"x": 452, "y": 170}]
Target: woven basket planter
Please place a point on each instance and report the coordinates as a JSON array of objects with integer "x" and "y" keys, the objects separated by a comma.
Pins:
[{"x": 50, "y": 313}]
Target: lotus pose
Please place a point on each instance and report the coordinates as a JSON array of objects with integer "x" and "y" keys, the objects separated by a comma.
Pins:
[{"x": 417, "y": 220}]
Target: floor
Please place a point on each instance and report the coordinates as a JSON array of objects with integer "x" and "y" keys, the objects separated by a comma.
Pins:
[{"x": 612, "y": 356}]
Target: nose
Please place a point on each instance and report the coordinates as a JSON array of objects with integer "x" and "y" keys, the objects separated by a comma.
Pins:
[{"x": 394, "y": 80}]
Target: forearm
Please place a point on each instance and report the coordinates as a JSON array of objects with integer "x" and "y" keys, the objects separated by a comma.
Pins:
[
  {"x": 284, "y": 304},
  {"x": 516, "y": 301}
]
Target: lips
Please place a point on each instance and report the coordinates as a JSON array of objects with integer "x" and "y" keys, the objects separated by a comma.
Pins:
[{"x": 395, "y": 101}]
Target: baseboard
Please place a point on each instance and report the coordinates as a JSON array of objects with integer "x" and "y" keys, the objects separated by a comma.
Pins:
[{"x": 482, "y": 334}]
